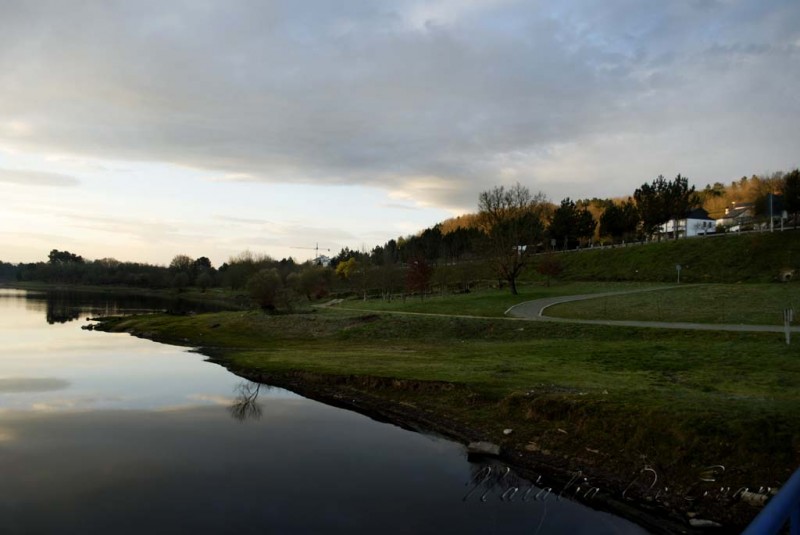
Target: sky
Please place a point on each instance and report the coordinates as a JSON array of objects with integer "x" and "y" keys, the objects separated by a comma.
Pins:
[{"x": 141, "y": 130}]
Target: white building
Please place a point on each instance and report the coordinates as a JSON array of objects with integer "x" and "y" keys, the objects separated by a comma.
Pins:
[
  {"x": 695, "y": 223},
  {"x": 737, "y": 216}
]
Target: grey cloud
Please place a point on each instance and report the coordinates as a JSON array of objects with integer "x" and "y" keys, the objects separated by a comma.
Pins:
[
  {"x": 23, "y": 177},
  {"x": 16, "y": 385},
  {"x": 375, "y": 93}
]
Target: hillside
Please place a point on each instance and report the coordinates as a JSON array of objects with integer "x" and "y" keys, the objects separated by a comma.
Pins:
[{"x": 752, "y": 257}]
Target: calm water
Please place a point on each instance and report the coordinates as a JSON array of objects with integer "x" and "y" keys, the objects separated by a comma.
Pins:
[{"x": 106, "y": 433}]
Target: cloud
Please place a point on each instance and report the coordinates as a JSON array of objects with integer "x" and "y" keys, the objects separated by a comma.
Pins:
[
  {"x": 398, "y": 206},
  {"x": 436, "y": 100},
  {"x": 138, "y": 230},
  {"x": 242, "y": 220},
  {"x": 22, "y": 177},
  {"x": 16, "y": 385}
]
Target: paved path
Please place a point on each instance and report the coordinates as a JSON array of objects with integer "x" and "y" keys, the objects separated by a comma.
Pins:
[{"x": 535, "y": 310}]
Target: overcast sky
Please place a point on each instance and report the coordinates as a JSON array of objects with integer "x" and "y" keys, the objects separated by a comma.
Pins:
[{"x": 143, "y": 129}]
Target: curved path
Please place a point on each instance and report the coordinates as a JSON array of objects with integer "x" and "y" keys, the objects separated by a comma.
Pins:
[{"x": 535, "y": 310}]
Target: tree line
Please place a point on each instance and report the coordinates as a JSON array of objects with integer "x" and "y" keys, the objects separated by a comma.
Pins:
[{"x": 494, "y": 244}]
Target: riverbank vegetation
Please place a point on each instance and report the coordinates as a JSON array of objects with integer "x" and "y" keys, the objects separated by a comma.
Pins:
[{"x": 608, "y": 401}]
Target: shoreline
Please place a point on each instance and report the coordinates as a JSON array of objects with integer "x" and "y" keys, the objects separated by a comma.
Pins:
[
  {"x": 552, "y": 470},
  {"x": 380, "y": 366}
]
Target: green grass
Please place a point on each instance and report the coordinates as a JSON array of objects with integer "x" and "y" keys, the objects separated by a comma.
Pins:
[
  {"x": 487, "y": 303},
  {"x": 752, "y": 304},
  {"x": 502, "y": 355},
  {"x": 682, "y": 398},
  {"x": 756, "y": 257}
]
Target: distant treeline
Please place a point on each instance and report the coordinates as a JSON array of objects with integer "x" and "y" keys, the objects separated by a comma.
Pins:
[
  {"x": 64, "y": 267},
  {"x": 582, "y": 222},
  {"x": 494, "y": 244}
]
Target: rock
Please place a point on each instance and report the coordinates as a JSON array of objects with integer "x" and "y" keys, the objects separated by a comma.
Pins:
[
  {"x": 507, "y": 431},
  {"x": 483, "y": 448},
  {"x": 532, "y": 446},
  {"x": 756, "y": 499},
  {"x": 700, "y": 523}
]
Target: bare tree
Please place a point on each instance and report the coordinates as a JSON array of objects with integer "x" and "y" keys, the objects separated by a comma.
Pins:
[{"x": 511, "y": 219}]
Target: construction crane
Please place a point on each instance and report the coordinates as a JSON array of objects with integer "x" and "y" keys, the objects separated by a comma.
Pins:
[{"x": 316, "y": 249}]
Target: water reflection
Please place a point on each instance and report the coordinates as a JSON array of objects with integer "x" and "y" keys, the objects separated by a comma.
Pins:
[
  {"x": 63, "y": 306},
  {"x": 132, "y": 436},
  {"x": 245, "y": 405},
  {"x": 17, "y": 385},
  {"x": 59, "y": 308}
]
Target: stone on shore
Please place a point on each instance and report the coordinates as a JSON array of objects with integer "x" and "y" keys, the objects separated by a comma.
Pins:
[{"x": 483, "y": 448}]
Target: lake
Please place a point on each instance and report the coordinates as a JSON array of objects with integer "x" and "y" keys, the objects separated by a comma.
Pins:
[{"x": 107, "y": 433}]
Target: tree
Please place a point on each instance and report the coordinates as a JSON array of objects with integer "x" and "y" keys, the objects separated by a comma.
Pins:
[
  {"x": 791, "y": 193},
  {"x": 314, "y": 282},
  {"x": 663, "y": 200},
  {"x": 182, "y": 263},
  {"x": 180, "y": 281},
  {"x": 345, "y": 270},
  {"x": 511, "y": 221},
  {"x": 202, "y": 263},
  {"x": 570, "y": 223},
  {"x": 619, "y": 220},
  {"x": 679, "y": 199},
  {"x": 204, "y": 280},
  {"x": 238, "y": 269},
  {"x": 264, "y": 287},
  {"x": 550, "y": 266},
  {"x": 650, "y": 203},
  {"x": 64, "y": 257},
  {"x": 418, "y": 276}
]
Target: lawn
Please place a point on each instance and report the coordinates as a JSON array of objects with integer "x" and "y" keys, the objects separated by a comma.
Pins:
[
  {"x": 487, "y": 303},
  {"x": 752, "y": 304}
]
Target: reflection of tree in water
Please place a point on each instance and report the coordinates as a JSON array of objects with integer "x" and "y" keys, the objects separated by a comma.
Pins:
[
  {"x": 60, "y": 309},
  {"x": 64, "y": 306},
  {"x": 245, "y": 404}
]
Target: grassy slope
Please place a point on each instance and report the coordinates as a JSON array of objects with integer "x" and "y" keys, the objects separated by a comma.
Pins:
[
  {"x": 682, "y": 399},
  {"x": 754, "y": 304},
  {"x": 756, "y": 257}
]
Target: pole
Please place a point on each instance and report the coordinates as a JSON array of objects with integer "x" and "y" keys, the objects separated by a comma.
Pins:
[{"x": 771, "y": 219}]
